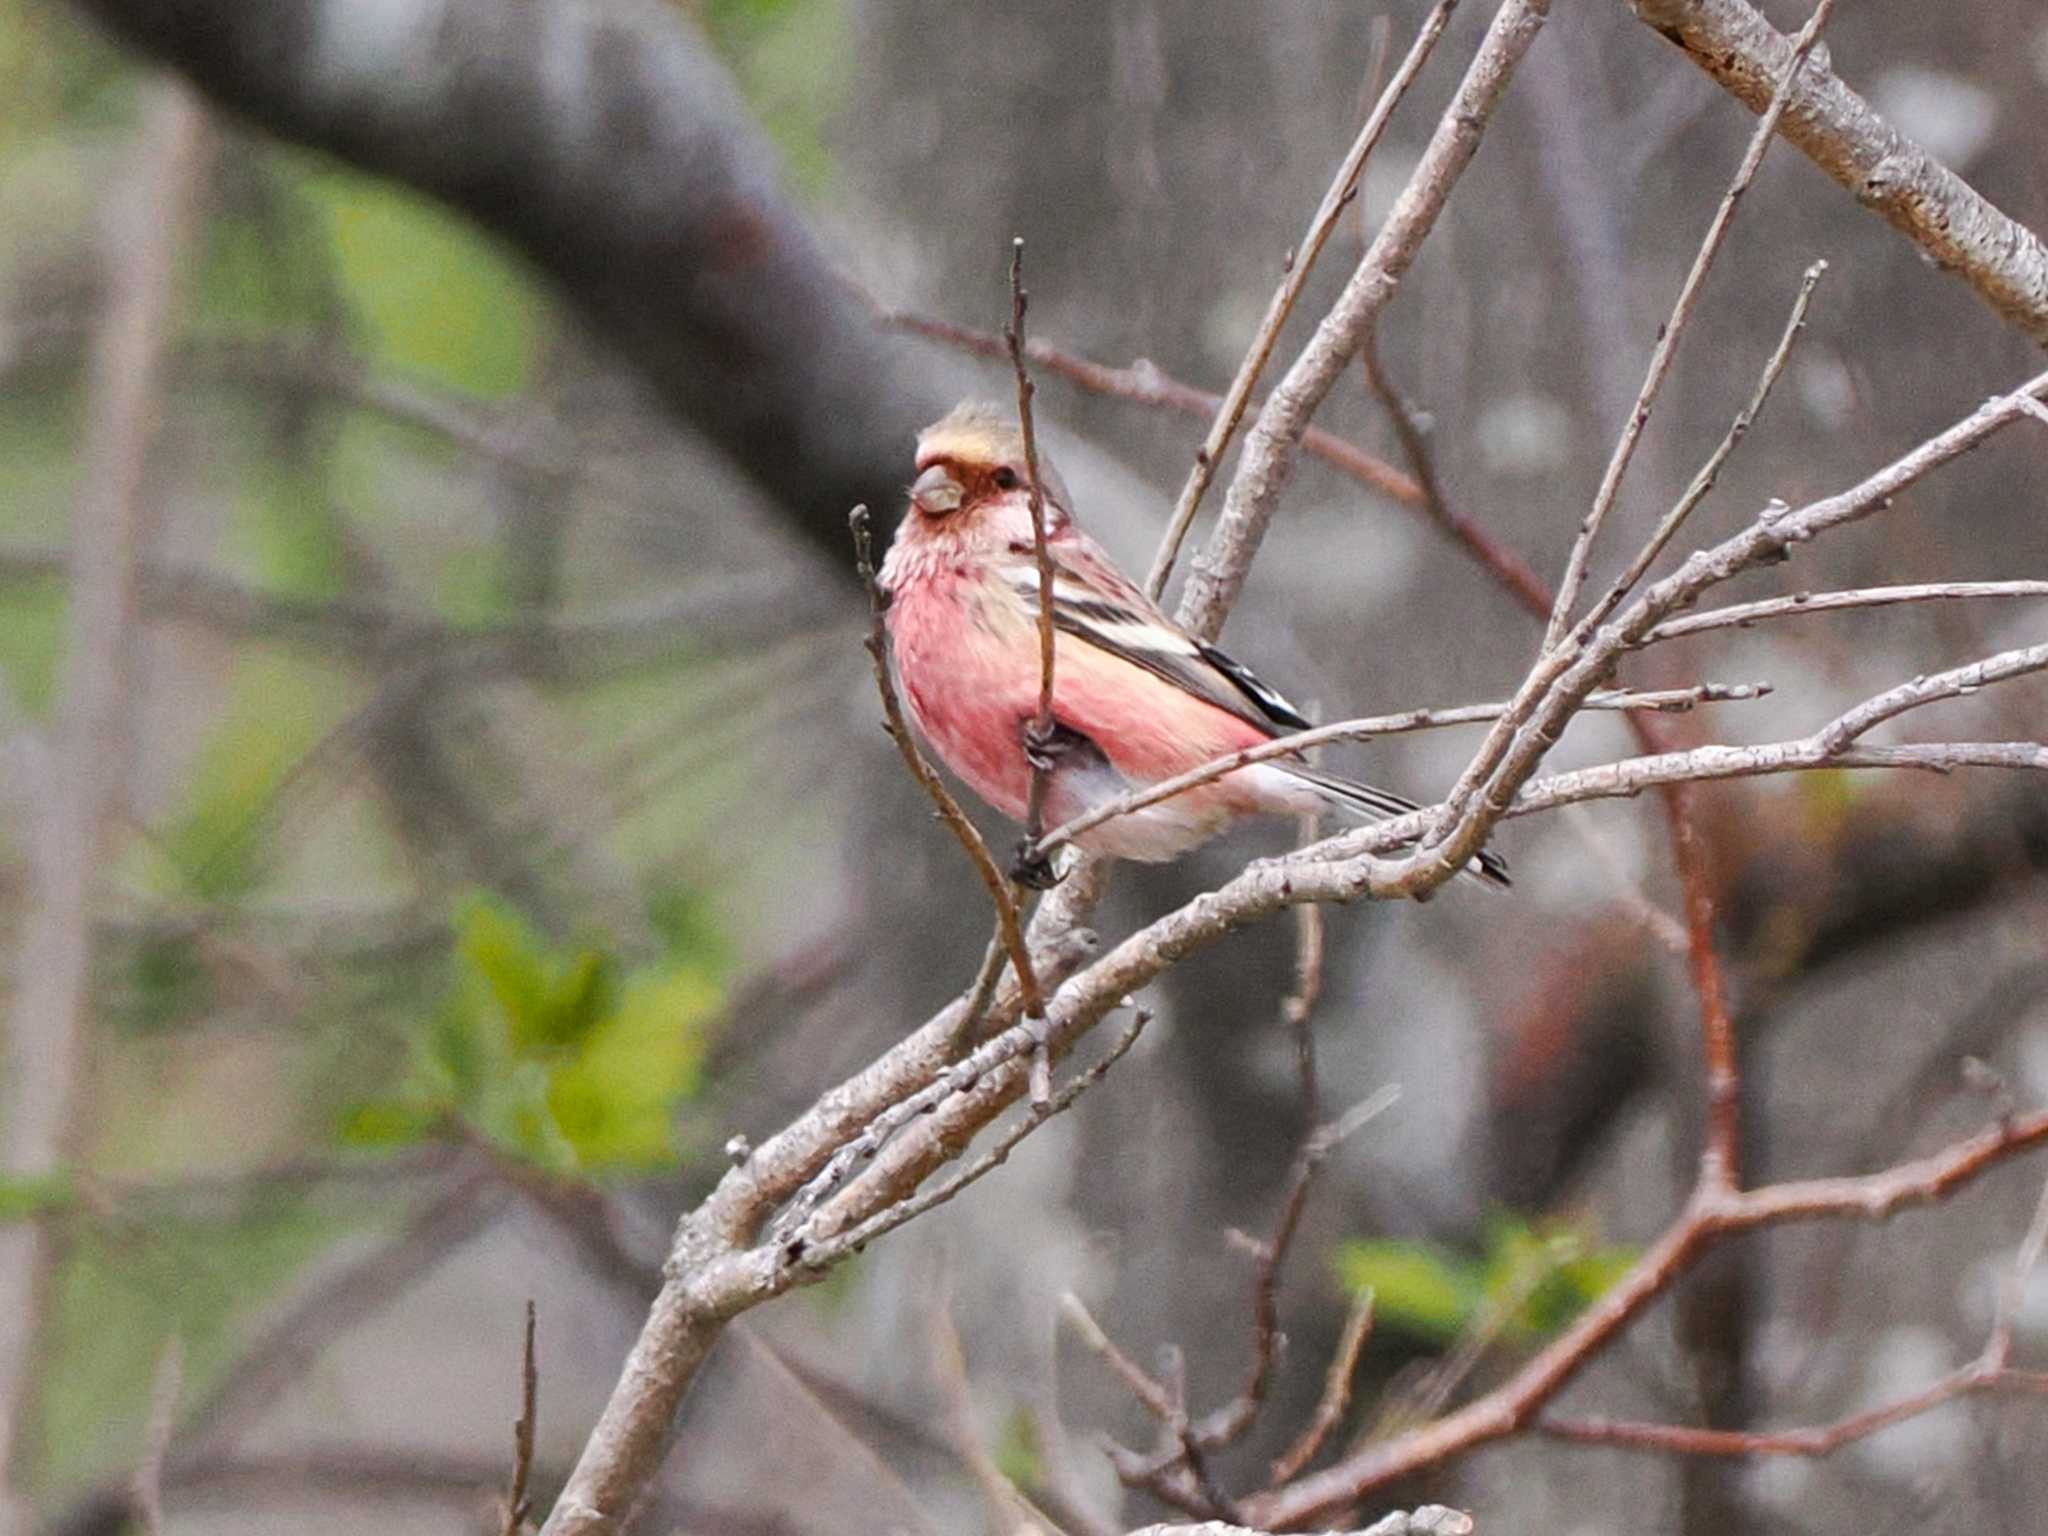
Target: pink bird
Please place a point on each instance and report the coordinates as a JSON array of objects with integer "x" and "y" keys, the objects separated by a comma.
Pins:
[{"x": 1136, "y": 699}]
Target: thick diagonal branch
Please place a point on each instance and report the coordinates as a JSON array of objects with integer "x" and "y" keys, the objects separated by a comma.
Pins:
[{"x": 2003, "y": 261}]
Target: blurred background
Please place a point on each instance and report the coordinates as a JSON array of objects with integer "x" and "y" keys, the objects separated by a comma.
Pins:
[{"x": 443, "y": 803}]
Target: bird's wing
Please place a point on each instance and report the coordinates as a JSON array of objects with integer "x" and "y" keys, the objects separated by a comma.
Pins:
[{"x": 1098, "y": 605}]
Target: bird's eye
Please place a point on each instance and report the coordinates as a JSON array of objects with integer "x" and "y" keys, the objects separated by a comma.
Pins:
[{"x": 1006, "y": 478}]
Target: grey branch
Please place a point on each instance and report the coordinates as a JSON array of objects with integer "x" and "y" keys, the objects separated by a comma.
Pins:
[
  {"x": 1339, "y": 196},
  {"x": 1429, "y": 1520},
  {"x": 1835, "y": 128},
  {"x": 1666, "y": 349},
  {"x": 1742, "y": 615},
  {"x": 1267, "y": 462},
  {"x": 608, "y": 147}
]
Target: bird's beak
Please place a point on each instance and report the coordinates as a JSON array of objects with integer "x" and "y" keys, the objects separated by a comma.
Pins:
[{"x": 936, "y": 491}]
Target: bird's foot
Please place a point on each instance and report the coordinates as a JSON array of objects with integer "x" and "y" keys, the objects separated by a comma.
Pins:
[
  {"x": 1032, "y": 869},
  {"x": 1045, "y": 750}
]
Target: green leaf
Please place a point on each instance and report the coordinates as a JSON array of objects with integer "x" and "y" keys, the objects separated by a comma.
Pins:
[
  {"x": 1417, "y": 1288},
  {"x": 502, "y": 960},
  {"x": 1554, "y": 1267},
  {"x": 579, "y": 995},
  {"x": 614, "y": 1099}
]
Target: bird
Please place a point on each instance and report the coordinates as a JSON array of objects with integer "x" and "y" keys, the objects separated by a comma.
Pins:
[{"x": 1136, "y": 699}]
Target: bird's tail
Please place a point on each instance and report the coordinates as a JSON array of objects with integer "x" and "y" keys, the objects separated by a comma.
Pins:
[{"x": 1370, "y": 804}]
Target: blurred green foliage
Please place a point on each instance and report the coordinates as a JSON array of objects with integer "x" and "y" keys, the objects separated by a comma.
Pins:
[
  {"x": 552, "y": 1055},
  {"x": 790, "y": 58},
  {"x": 1541, "y": 1276},
  {"x": 22, "y": 1198},
  {"x": 428, "y": 294},
  {"x": 128, "y": 1288}
]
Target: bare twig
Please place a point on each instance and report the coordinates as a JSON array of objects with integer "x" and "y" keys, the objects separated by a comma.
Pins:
[
  {"x": 1742, "y": 615},
  {"x": 49, "y": 1017},
  {"x": 1231, "y": 1421},
  {"x": 1267, "y": 461},
  {"x": 1144, "y": 383},
  {"x": 1955, "y": 226},
  {"x": 1043, "y": 725},
  {"x": 1428, "y": 1520},
  {"x": 1343, "y": 188},
  {"x": 1336, "y": 1395},
  {"x": 1824, "y": 1440},
  {"x": 1297, "y": 1009},
  {"x": 1721, "y": 1155},
  {"x": 1142, "y": 1384},
  {"x": 928, "y": 779},
  {"x": 1188, "y": 1439},
  {"x": 1703, "y": 482},
  {"x": 517, "y": 1504},
  {"x": 1506, "y": 567},
  {"x": 1010, "y": 1512},
  {"x": 1666, "y": 349},
  {"x": 1674, "y": 700},
  {"x": 823, "y": 1254}
]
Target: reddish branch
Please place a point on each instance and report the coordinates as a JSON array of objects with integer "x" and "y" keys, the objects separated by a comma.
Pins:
[
  {"x": 1817, "y": 1440},
  {"x": 1143, "y": 383},
  {"x": 1710, "y": 1217}
]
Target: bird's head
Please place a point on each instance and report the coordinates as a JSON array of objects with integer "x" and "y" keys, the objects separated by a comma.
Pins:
[{"x": 973, "y": 482}]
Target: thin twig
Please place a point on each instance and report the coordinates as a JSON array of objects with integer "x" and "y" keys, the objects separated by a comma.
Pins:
[
  {"x": 1703, "y": 482},
  {"x": 1274, "y": 439},
  {"x": 2012, "y": 1293},
  {"x": 1042, "y": 726},
  {"x": 1231, "y": 1421},
  {"x": 824, "y": 1254},
  {"x": 927, "y": 777},
  {"x": 517, "y": 1505},
  {"x": 1010, "y": 1512},
  {"x": 1336, "y": 1395},
  {"x": 1684, "y": 1440},
  {"x": 1666, "y": 349},
  {"x": 1721, "y": 1153},
  {"x": 1667, "y": 700},
  {"x": 1297, "y": 1009},
  {"x": 1145, "y": 383},
  {"x": 1509, "y": 569},
  {"x": 1742, "y": 615},
  {"x": 1343, "y": 188},
  {"x": 1150, "y": 1392},
  {"x": 1188, "y": 1440}
]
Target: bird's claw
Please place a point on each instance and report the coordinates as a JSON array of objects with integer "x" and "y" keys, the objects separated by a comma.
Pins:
[
  {"x": 1032, "y": 869},
  {"x": 1044, "y": 749}
]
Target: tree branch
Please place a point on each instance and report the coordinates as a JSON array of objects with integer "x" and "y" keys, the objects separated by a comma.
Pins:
[
  {"x": 612, "y": 151},
  {"x": 1267, "y": 463},
  {"x": 2003, "y": 261}
]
